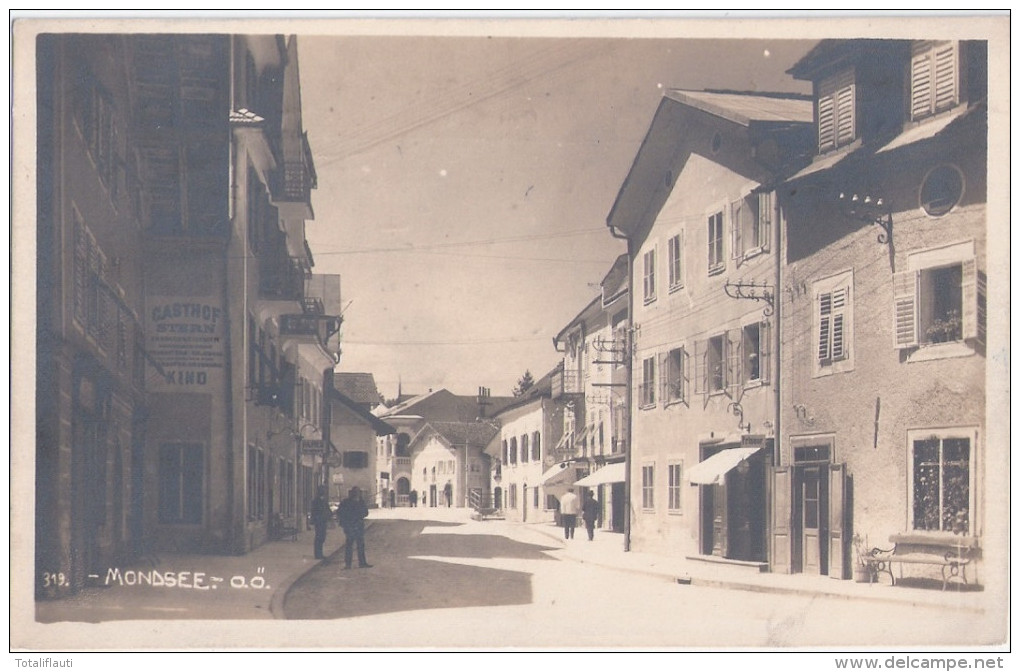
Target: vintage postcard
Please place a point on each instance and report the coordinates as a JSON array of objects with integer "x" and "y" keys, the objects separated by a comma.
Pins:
[{"x": 505, "y": 333}]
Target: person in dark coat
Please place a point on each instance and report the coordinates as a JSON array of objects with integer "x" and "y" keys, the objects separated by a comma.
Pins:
[
  {"x": 590, "y": 511},
  {"x": 414, "y": 498},
  {"x": 351, "y": 515},
  {"x": 320, "y": 519}
]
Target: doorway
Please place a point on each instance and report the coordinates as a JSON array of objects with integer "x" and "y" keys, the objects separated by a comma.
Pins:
[{"x": 811, "y": 516}]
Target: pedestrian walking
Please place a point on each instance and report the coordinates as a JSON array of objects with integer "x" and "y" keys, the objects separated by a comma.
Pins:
[
  {"x": 351, "y": 515},
  {"x": 413, "y": 498},
  {"x": 320, "y": 519},
  {"x": 569, "y": 508},
  {"x": 590, "y": 512}
]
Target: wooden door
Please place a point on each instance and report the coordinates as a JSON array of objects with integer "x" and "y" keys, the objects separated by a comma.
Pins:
[
  {"x": 780, "y": 519},
  {"x": 811, "y": 520},
  {"x": 839, "y": 548}
]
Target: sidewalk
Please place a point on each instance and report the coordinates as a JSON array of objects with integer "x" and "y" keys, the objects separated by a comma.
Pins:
[
  {"x": 262, "y": 577},
  {"x": 607, "y": 551},
  {"x": 250, "y": 586}
]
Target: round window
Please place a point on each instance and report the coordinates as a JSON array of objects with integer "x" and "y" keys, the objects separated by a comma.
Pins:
[{"x": 941, "y": 190}]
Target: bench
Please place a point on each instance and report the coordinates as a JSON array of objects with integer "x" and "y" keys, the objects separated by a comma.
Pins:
[
  {"x": 281, "y": 530},
  {"x": 951, "y": 554}
]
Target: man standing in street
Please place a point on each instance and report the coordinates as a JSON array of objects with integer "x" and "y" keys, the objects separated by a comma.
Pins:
[
  {"x": 590, "y": 513},
  {"x": 320, "y": 518},
  {"x": 569, "y": 508},
  {"x": 351, "y": 515}
]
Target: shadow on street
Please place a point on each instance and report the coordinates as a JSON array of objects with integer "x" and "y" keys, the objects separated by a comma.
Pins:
[{"x": 400, "y": 581}]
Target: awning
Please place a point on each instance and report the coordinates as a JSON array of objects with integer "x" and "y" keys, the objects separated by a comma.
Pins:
[
  {"x": 557, "y": 473},
  {"x": 611, "y": 473},
  {"x": 714, "y": 469}
]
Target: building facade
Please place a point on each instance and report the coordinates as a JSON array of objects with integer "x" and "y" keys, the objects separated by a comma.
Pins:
[
  {"x": 699, "y": 212},
  {"x": 182, "y": 336},
  {"x": 594, "y": 377},
  {"x": 882, "y": 304}
]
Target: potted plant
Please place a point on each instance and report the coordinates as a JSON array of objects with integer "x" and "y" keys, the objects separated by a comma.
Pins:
[{"x": 864, "y": 569}]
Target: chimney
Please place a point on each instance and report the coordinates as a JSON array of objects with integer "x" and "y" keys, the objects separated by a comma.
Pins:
[{"x": 483, "y": 401}]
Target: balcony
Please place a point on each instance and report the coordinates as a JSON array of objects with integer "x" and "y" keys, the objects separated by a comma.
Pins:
[
  {"x": 567, "y": 382},
  {"x": 281, "y": 279}
]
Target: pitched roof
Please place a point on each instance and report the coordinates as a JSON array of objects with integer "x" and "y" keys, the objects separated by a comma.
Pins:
[
  {"x": 466, "y": 433},
  {"x": 359, "y": 387},
  {"x": 746, "y": 107},
  {"x": 381, "y": 428},
  {"x": 445, "y": 406}
]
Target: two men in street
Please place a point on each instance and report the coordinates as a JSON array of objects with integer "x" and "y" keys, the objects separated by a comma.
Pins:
[{"x": 351, "y": 515}]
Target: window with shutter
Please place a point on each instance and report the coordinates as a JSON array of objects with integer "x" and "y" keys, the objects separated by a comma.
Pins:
[
  {"x": 675, "y": 252},
  {"x": 934, "y": 78},
  {"x": 675, "y": 376},
  {"x": 834, "y": 325},
  {"x": 733, "y": 362},
  {"x": 835, "y": 111},
  {"x": 649, "y": 276},
  {"x": 716, "y": 261}
]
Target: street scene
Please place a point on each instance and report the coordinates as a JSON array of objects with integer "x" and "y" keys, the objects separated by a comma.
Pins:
[
  {"x": 439, "y": 578},
  {"x": 486, "y": 340}
]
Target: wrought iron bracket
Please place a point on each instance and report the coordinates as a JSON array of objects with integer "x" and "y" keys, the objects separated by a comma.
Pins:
[
  {"x": 736, "y": 409},
  {"x": 871, "y": 210},
  {"x": 755, "y": 292}
]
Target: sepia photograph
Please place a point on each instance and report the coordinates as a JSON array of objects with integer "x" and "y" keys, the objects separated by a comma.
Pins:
[{"x": 512, "y": 333}]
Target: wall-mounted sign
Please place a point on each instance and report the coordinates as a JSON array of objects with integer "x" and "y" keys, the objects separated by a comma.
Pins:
[
  {"x": 313, "y": 446},
  {"x": 187, "y": 339}
]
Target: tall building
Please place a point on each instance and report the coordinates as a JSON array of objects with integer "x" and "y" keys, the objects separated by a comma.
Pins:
[{"x": 182, "y": 337}]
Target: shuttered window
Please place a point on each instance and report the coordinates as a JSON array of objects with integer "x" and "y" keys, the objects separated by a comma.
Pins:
[
  {"x": 934, "y": 78},
  {"x": 675, "y": 374},
  {"x": 941, "y": 304},
  {"x": 649, "y": 275},
  {"x": 836, "y": 103},
  {"x": 833, "y": 324},
  {"x": 716, "y": 260},
  {"x": 675, "y": 252}
]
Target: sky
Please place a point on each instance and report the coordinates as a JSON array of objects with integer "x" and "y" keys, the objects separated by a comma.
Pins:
[{"x": 464, "y": 184}]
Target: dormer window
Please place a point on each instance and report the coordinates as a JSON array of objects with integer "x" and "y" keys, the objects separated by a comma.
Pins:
[
  {"x": 934, "y": 78},
  {"x": 836, "y": 124}
]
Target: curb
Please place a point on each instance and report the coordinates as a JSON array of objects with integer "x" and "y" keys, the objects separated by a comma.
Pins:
[
  {"x": 280, "y": 593},
  {"x": 731, "y": 584}
]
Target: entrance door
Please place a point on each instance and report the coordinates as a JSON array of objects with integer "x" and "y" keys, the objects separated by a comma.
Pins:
[
  {"x": 619, "y": 509},
  {"x": 814, "y": 519},
  {"x": 432, "y": 495}
]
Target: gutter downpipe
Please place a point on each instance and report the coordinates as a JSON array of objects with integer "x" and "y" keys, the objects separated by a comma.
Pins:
[{"x": 628, "y": 351}]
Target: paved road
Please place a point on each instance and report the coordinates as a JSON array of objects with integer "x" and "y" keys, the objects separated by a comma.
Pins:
[{"x": 495, "y": 584}]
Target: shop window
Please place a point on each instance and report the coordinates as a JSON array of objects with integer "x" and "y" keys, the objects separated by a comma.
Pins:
[
  {"x": 941, "y": 464},
  {"x": 180, "y": 483}
]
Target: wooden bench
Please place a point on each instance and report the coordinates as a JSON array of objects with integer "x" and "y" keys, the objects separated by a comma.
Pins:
[
  {"x": 283, "y": 529},
  {"x": 951, "y": 554}
]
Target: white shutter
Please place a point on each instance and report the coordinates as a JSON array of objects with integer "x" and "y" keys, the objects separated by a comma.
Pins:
[
  {"x": 839, "y": 326},
  {"x": 905, "y": 309},
  {"x": 765, "y": 219},
  {"x": 824, "y": 327},
  {"x": 946, "y": 79},
  {"x": 736, "y": 220},
  {"x": 700, "y": 367},
  {"x": 969, "y": 287},
  {"x": 826, "y": 122},
  {"x": 685, "y": 375},
  {"x": 845, "y": 112},
  {"x": 764, "y": 351},
  {"x": 921, "y": 80},
  {"x": 664, "y": 378},
  {"x": 733, "y": 355}
]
